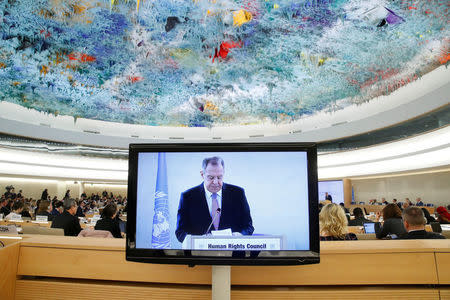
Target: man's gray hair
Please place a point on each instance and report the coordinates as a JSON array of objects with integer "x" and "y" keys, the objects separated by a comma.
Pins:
[
  {"x": 214, "y": 161},
  {"x": 414, "y": 216},
  {"x": 69, "y": 202}
]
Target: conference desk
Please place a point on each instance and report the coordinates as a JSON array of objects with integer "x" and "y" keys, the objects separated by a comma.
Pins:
[
  {"x": 40, "y": 224},
  {"x": 43, "y": 267},
  {"x": 26, "y": 223},
  {"x": 376, "y": 208}
]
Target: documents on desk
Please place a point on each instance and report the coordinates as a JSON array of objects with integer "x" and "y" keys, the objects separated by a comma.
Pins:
[
  {"x": 445, "y": 226},
  {"x": 223, "y": 232}
]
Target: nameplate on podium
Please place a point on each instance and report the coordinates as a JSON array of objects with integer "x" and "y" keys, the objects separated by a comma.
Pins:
[{"x": 236, "y": 243}]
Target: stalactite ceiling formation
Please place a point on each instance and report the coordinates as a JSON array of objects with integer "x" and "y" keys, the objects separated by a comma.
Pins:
[{"x": 213, "y": 62}]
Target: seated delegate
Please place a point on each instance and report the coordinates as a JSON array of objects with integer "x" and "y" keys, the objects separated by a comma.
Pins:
[
  {"x": 16, "y": 210},
  {"x": 392, "y": 222},
  {"x": 333, "y": 224},
  {"x": 108, "y": 221},
  {"x": 414, "y": 222},
  {"x": 359, "y": 218},
  {"x": 67, "y": 220},
  {"x": 443, "y": 215}
]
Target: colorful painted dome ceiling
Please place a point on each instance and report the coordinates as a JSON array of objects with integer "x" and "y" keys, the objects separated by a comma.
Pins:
[{"x": 212, "y": 62}]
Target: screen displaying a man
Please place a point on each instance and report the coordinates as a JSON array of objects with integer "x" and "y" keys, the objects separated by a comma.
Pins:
[{"x": 213, "y": 205}]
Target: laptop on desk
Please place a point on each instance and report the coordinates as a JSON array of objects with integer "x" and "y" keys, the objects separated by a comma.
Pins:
[{"x": 371, "y": 227}]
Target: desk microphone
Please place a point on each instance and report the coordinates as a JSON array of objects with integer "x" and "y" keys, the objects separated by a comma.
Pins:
[{"x": 215, "y": 216}]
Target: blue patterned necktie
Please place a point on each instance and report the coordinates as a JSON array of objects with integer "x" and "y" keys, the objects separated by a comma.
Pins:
[{"x": 214, "y": 207}]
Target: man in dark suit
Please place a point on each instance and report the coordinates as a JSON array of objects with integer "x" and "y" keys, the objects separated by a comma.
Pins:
[
  {"x": 414, "y": 222},
  {"x": 419, "y": 202},
  {"x": 214, "y": 203},
  {"x": 328, "y": 197},
  {"x": 67, "y": 220},
  {"x": 4, "y": 206}
]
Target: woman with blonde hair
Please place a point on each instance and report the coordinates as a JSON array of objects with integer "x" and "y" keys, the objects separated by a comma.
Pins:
[{"x": 333, "y": 224}]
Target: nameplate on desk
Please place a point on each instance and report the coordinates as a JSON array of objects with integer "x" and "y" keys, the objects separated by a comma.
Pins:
[
  {"x": 16, "y": 218},
  {"x": 445, "y": 226},
  {"x": 8, "y": 229},
  {"x": 41, "y": 219},
  {"x": 236, "y": 243}
]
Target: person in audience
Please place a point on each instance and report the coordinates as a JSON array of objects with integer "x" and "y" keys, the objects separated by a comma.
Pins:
[
  {"x": 80, "y": 209},
  {"x": 10, "y": 204},
  {"x": 394, "y": 201},
  {"x": 427, "y": 215},
  {"x": 67, "y": 220},
  {"x": 419, "y": 202},
  {"x": 13, "y": 194},
  {"x": 320, "y": 207},
  {"x": 414, "y": 223},
  {"x": 443, "y": 215},
  {"x": 448, "y": 207},
  {"x": 8, "y": 193},
  {"x": 344, "y": 208},
  {"x": 33, "y": 206},
  {"x": 4, "y": 207},
  {"x": 392, "y": 222},
  {"x": 44, "y": 194},
  {"x": 26, "y": 211},
  {"x": 406, "y": 204},
  {"x": 37, "y": 206},
  {"x": 58, "y": 208},
  {"x": 44, "y": 210},
  {"x": 19, "y": 194},
  {"x": 359, "y": 218},
  {"x": 108, "y": 221},
  {"x": 333, "y": 224},
  {"x": 16, "y": 210},
  {"x": 384, "y": 202},
  {"x": 67, "y": 195}
]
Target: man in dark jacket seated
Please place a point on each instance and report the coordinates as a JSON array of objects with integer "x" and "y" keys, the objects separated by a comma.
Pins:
[
  {"x": 414, "y": 222},
  {"x": 67, "y": 220},
  {"x": 108, "y": 221}
]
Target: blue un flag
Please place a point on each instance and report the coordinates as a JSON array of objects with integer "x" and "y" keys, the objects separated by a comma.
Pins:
[
  {"x": 161, "y": 232},
  {"x": 353, "y": 196}
]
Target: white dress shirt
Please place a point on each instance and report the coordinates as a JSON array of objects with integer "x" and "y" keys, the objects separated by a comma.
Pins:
[{"x": 208, "y": 196}]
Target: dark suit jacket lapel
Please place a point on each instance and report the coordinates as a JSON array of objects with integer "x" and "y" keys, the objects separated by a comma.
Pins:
[
  {"x": 225, "y": 205},
  {"x": 204, "y": 204}
]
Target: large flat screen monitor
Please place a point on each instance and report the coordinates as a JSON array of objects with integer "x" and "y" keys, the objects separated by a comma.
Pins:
[
  {"x": 332, "y": 190},
  {"x": 223, "y": 204}
]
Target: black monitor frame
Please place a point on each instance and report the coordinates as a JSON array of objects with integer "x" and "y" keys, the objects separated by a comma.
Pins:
[{"x": 194, "y": 257}]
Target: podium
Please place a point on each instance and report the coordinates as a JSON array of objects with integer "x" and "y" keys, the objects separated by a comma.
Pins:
[
  {"x": 221, "y": 275},
  {"x": 234, "y": 243}
]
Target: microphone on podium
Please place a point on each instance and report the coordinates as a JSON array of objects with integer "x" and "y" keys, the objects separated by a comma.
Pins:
[{"x": 215, "y": 216}]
